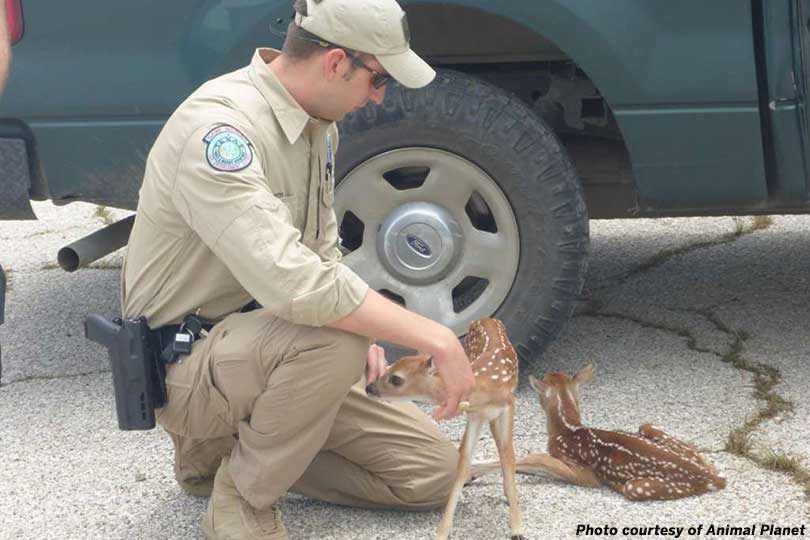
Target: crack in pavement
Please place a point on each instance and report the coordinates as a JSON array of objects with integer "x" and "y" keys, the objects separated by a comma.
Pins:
[
  {"x": 31, "y": 378},
  {"x": 46, "y": 232},
  {"x": 765, "y": 377},
  {"x": 662, "y": 257}
]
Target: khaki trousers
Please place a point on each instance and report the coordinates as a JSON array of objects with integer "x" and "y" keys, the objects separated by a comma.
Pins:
[{"x": 287, "y": 403}]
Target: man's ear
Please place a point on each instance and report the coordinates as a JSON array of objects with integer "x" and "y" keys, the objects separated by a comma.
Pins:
[{"x": 331, "y": 63}]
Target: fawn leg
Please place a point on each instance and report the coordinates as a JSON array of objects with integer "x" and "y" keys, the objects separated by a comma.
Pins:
[
  {"x": 564, "y": 470},
  {"x": 681, "y": 448},
  {"x": 502, "y": 432},
  {"x": 471, "y": 434},
  {"x": 478, "y": 470}
]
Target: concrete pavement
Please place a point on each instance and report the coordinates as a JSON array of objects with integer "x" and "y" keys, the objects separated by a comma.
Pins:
[{"x": 699, "y": 325}]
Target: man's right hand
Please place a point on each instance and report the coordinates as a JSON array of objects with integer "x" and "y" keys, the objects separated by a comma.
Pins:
[
  {"x": 455, "y": 370},
  {"x": 379, "y": 318}
]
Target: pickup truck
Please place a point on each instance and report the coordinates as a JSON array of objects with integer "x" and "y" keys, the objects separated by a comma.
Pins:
[{"x": 470, "y": 197}]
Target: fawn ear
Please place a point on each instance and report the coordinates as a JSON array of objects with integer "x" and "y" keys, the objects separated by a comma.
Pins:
[
  {"x": 431, "y": 367},
  {"x": 537, "y": 384},
  {"x": 584, "y": 375}
]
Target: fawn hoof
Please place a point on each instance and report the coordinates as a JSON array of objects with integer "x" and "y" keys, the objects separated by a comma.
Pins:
[{"x": 519, "y": 537}]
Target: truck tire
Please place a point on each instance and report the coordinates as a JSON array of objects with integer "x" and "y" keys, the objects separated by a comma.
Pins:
[{"x": 459, "y": 202}]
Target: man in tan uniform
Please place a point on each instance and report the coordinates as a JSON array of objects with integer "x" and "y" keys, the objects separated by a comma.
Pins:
[{"x": 236, "y": 206}]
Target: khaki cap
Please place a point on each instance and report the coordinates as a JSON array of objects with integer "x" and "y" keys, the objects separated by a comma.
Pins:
[{"x": 377, "y": 27}]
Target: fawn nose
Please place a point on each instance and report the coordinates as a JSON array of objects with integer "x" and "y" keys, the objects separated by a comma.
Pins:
[{"x": 371, "y": 390}]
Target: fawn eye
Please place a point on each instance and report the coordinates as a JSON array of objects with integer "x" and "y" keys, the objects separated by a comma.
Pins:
[{"x": 396, "y": 380}]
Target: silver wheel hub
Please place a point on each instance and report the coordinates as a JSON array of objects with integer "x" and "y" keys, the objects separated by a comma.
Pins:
[
  {"x": 419, "y": 242},
  {"x": 431, "y": 230}
]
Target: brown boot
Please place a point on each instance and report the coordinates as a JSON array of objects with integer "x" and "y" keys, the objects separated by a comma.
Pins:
[{"x": 230, "y": 517}]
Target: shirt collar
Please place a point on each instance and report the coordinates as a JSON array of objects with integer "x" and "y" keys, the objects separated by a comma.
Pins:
[{"x": 292, "y": 118}]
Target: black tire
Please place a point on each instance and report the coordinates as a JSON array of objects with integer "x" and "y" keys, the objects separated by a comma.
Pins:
[{"x": 462, "y": 115}]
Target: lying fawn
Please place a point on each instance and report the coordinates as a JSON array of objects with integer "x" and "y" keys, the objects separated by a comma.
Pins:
[
  {"x": 641, "y": 466},
  {"x": 495, "y": 365}
]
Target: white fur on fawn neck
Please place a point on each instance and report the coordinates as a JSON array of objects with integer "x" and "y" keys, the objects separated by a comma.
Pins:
[{"x": 495, "y": 365}]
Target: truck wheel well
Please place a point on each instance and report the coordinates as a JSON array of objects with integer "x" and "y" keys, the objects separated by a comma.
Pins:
[{"x": 544, "y": 77}]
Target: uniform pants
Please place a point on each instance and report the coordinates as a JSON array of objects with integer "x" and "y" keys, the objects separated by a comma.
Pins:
[{"x": 287, "y": 403}]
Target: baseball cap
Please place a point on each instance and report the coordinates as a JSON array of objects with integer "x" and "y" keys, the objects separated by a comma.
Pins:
[{"x": 377, "y": 27}]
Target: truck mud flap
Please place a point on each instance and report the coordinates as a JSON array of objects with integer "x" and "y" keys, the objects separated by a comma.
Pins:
[{"x": 16, "y": 181}]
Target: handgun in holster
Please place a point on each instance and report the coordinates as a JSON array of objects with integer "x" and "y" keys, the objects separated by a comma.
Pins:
[{"x": 137, "y": 370}]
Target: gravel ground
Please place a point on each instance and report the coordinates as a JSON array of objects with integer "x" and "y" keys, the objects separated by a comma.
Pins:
[{"x": 660, "y": 335}]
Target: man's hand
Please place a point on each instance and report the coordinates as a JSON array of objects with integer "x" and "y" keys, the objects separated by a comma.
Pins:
[
  {"x": 376, "y": 365},
  {"x": 456, "y": 372},
  {"x": 379, "y": 318}
]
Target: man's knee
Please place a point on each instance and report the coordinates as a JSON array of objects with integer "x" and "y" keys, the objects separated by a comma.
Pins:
[
  {"x": 431, "y": 488},
  {"x": 336, "y": 359}
]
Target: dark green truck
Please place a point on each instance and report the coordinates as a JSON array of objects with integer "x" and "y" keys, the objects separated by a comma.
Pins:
[{"x": 471, "y": 197}]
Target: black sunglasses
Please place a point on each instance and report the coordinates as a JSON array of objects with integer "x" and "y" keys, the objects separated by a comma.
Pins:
[{"x": 378, "y": 80}]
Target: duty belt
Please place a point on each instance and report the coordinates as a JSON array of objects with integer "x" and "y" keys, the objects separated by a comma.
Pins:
[{"x": 176, "y": 340}]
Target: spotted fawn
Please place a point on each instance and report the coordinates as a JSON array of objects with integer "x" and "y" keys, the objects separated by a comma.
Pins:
[
  {"x": 495, "y": 365},
  {"x": 648, "y": 465}
]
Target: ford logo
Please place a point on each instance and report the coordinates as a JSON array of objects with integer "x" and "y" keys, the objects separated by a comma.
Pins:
[{"x": 418, "y": 245}]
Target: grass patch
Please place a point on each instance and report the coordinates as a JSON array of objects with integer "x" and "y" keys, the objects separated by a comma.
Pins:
[
  {"x": 761, "y": 222},
  {"x": 103, "y": 214},
  {"x": 780, "y": 462},
  {"x": 770, "y": 404},
  {"x": 790, "y": 465},
  {"x": 739, "y": 441},
  {"x": 743, "y": 226}
]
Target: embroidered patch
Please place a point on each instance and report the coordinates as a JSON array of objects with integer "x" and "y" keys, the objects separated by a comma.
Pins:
[{"x": 228, "y": 150}]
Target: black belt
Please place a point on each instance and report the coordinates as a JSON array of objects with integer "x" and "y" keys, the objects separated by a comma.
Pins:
[{"x": 175, "y": 340}]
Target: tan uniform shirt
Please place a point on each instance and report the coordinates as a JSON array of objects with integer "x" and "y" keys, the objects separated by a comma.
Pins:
[{"x": 236, "y": 204}]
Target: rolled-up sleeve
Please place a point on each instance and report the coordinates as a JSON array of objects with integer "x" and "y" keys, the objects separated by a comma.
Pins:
[{"x": 251, "y": 231}]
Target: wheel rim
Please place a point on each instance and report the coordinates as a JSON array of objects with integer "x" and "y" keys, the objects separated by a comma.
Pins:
[{"x": 431, "y": 230}]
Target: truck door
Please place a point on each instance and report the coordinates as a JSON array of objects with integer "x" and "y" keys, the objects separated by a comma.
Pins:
[{"x": 783, "y": 52}]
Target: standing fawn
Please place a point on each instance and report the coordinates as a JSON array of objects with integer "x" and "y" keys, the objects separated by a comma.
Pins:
[
  {"x": 648, "y": 465},
  {"x": 495, "y": 365}
]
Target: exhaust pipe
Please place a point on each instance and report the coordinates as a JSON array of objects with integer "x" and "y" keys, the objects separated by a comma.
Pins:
[{"x": 94, "y": 246}]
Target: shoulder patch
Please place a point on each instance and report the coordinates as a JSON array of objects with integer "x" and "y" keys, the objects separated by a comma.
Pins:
[{"x": 227, "y": 149}]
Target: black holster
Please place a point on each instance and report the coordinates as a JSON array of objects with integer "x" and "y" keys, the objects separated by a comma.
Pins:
[{"x": 137, "y": 370}]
